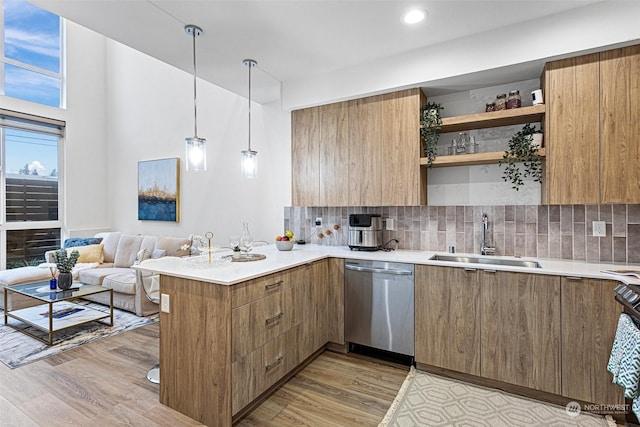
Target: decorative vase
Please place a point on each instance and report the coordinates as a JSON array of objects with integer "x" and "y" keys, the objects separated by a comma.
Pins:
[
  {"x": 53, "y": 283},
  {"x": 65, "y": 280}
]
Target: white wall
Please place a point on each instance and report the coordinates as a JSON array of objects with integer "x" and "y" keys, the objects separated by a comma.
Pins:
[
  {"x": 591, "y": 27},
  {"x": 150, "y": 112}
]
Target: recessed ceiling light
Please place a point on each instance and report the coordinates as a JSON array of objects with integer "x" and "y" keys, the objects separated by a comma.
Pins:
[{"x": 414, "y": 16}]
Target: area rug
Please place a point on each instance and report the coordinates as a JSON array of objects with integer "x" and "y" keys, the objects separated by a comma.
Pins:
[
  {"x": 429, "y": 400},
  {"x": 18, "y": 349}
]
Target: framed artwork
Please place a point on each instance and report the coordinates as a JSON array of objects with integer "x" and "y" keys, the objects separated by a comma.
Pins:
[{"x": 159, "y": 190}]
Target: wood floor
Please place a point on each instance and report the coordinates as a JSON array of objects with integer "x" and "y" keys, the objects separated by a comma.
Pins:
[{"x": 104, "y": 384}]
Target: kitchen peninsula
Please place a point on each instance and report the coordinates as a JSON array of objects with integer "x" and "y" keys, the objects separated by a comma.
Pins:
[{"x": 234, "y": 333}]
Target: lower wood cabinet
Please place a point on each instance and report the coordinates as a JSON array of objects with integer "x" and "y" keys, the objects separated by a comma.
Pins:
[
  {"x": 275, "y": 333},
  {"x": 589, "y": 320},
  {"x": 447, "y": 318},
  {"x": 520, "y": 332}
]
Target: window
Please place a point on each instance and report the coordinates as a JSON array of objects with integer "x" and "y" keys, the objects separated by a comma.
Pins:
[
  {"x": 30, "y": 53},
  {"x": 30, "y": 215}
]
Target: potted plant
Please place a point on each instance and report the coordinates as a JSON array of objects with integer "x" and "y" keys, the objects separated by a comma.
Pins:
[
  {"x": 522, "y": 149},
  {"x": 430, "y": 125},
  {"x": 65, "y": 263}
]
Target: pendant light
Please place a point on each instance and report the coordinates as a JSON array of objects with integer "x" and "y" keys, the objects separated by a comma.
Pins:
[
  {"x": 196, "y": 148},
  {"x": 249, "y": 156}
]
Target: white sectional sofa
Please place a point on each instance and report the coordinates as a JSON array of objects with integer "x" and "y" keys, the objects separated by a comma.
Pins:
[{"x": 111, "y": 270}]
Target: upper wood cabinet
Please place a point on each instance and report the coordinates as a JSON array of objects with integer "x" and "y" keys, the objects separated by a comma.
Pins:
[
  {"x": 572, "y": 130},
  {"x": 620, "y": 125},
  {"x": 592, "y": 128},
  {"x": 364, "y": 152}
]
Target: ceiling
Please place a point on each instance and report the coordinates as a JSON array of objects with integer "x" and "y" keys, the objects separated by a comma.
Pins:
[{"x": 290, "y": 39}]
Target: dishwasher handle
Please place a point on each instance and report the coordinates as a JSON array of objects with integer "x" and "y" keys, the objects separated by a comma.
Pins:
[{"x": 378, "y": 270}]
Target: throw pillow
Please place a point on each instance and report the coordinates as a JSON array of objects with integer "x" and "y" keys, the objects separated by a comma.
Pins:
[
  {"x": 128, "y": 248},
  {"x": 73, "y": 242},
  {"x": 89, "y": 253},
  {"x": 158, "y": 253},
  {"x": 142, "y": 255}
]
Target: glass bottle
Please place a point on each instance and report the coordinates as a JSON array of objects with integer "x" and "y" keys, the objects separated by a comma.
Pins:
[
  {"x": 463, "y": 143},
  {"x": 501, "y": 102},
  {"x": 246, "y": 241},
  {"x": 514, "y": 100}
]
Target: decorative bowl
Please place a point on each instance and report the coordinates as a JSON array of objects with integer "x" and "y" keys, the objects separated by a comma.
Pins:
[{"x": 284, "y": 245}]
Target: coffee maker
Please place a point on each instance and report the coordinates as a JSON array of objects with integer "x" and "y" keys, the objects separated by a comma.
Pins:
[{"x": 365, "y": 232}]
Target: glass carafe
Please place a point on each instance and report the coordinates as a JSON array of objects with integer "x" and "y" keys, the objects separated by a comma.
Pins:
[{"x": 246, "y": 241}]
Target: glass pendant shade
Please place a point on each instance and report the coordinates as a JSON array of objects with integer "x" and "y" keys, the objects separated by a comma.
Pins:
[
  {"x": 249, "y": 163},
  {"x": 196, "y": 154}
]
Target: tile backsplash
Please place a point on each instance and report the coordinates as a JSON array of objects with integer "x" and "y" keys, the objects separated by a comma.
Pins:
[{"x": 543, "y": 231}]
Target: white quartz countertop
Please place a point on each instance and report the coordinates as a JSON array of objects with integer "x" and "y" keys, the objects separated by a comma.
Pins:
[{"x": 236, "y": 272}]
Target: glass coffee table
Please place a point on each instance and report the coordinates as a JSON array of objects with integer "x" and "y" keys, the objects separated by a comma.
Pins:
[{"x": 57, "y": 311}]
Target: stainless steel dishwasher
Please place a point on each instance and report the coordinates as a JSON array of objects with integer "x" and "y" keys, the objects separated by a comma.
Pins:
[{"x": 379, "y": 305}]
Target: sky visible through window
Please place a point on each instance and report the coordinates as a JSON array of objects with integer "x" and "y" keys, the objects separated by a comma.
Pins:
[{"x": 31, "y": 37}]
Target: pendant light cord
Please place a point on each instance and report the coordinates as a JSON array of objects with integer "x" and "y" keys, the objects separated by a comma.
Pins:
[
  {"x": 195, "y": 104},
  {"x": 250, "y": 67}
]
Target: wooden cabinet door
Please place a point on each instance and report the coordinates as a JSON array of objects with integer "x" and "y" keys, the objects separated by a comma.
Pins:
[
  {"x": 334, "y": 154},
  {"x": 573, "y": 131},
  {"x": 247, "y": 379},
  {"x": 335, "y": 300},
  {"x": 589, "y": 321},
  {"x": 520, "y": 329},
  {"x": 447, "y": 318},
  {"x": 305, "y": 157},
  {"x": 620, "y": 127},
  {"x": 365, "y": 152},
  {"x": 400, "y": 168}
]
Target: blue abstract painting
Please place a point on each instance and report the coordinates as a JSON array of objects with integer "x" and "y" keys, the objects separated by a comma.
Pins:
[{"x": 159, "y": 190}]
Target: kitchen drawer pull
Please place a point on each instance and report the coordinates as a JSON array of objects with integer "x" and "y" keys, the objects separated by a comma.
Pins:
[
  {"x": 273, "y": 285},
  {"x": 573, "y": 278},
  {"x": 489, "y": 271},
  {"x": 273, "y": 319},
  {"x": 274, "y": 364},
  {"x": 469, "y": 269}
]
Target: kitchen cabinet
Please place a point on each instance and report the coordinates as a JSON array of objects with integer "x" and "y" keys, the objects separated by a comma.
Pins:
[
  {"x": 572, "y": 130},
  {"x": 592, "y": 131},
  {"x": 335, "y": 301},
  {"x": 363, "y": 152},
  {"x": 620, "y": 127},
  {"x": 447, "y": 318},
  {"x": 589, "y": 321},
  {"x": 520, "y": 329}
]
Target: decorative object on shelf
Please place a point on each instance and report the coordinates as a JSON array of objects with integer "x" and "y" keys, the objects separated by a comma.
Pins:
[
  {"x": 65, "y": 263},
  {"x": 521, "y": 149},
  {"x": 461, "y": 147},
  {"x": 514, "y": 100},
  {"x": 536, "y": 96},
  {"x": 430, "y": 125},
  {"x": 491, "y": 106},
  {"x": 473, "y": 147},
  {"x": 159, "y": 190},
  {"x": 501, "y": 102},
  {"x": 196, "y": 148},
  {"x": 246, "y": 241},
  {"x": 537, "y": 138},
  {"x": 249, "y": 156}
]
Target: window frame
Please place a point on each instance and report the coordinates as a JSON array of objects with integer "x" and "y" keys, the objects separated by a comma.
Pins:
[
  {"x": 60, "y": 76},
  {"x": 23, "y": 121}
]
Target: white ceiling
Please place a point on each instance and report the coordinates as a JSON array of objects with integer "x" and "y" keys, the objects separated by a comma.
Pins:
[{"x": 290, "y": 39}]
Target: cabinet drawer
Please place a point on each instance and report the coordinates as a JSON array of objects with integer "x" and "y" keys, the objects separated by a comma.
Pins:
[
  {"x": 256, "y": 323},
  {"x": 252, "y": 290},
  {"x": 247, "y": 379}
]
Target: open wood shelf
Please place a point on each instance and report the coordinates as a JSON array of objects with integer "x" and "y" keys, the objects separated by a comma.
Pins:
[
  {"x": 470, "y": 159},
  {"x": 493, "y": 119}
]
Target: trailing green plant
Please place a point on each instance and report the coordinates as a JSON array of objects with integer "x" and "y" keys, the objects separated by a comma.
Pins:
[
  {"x": 65, "y": 262},
  {"x": 430, "y": 125},
  {"x": 522, "y": 150}
]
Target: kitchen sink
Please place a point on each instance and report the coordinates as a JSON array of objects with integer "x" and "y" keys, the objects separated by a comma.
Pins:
[{"x": 487, "y": 260}]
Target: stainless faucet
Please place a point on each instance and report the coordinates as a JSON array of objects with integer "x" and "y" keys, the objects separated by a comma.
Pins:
[{"x": 484, "y": 249}]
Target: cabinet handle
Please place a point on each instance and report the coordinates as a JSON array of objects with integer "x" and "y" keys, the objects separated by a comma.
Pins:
[
  {"x": 469, "y": 269},
  {"x": 275, "y": 318},
  {"x": 273, "y": 285},
  {"x": 274, "y": 364},
  {"x": 489, "y": 271},
  {"x": 573, "y": 278}
]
